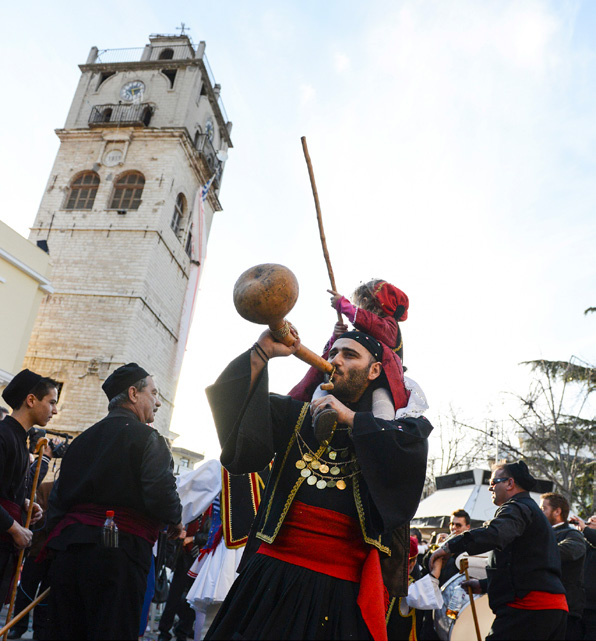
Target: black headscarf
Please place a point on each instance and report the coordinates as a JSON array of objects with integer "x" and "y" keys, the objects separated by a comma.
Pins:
[{"x": 371, "y": 344}]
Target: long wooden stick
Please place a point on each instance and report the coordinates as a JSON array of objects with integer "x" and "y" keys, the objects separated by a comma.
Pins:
[
  {"x": 38, "y": 450},
  {"x": 24, "y": 612},
  {"x": 320, "y": 220},
  {"x": 464, "y": 566}
]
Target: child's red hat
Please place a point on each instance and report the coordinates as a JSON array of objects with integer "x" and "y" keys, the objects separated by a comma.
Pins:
[{"x": 392, "y": 300}]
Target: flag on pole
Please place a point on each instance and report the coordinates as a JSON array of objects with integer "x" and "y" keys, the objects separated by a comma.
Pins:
[{"x": 196, "y": 245}]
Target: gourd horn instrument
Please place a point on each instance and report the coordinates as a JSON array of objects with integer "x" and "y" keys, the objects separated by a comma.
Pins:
[
  {"x": 315, "y": 194},
  {"x": 264, "y": 294},
  {"x": 41, "y": 443}
]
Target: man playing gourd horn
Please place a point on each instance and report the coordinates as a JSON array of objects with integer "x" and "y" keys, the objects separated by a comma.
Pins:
[{"x": 332, "y": 527}]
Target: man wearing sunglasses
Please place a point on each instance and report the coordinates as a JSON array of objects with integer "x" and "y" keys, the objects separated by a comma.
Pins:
[{"x": 524, "y": 569}]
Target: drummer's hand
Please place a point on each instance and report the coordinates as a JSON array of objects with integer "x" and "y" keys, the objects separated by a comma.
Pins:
[
  {"x": 438, "y": 555},
  {"x": 339, "y": 329},
  {"x": 274, "y": 348},
  {"x": 473, "y": 584},
  {"x": 335, "y": 297}
]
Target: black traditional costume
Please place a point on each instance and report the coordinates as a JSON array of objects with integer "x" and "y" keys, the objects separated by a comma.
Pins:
[
  {"x": 523, "y": 573},
  {"x": 118, "y": 464},
  {"x": 311, "y": 568},
  {"x": 14, "y": 465}
]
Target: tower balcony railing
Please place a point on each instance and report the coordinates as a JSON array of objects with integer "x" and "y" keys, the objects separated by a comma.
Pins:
[
  {"x": 157, "y": 53},
  {"x": 118, "y": 115}
]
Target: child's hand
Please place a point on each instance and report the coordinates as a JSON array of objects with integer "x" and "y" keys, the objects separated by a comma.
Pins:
[
  {"x": 339, "y": 329},
  {"x": 334, "y": 298}
]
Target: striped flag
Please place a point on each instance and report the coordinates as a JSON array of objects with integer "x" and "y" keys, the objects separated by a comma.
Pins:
[{"x": 197, "y": 243}]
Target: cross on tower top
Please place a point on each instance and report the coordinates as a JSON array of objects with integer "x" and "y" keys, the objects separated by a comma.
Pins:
[{"x": 182, "y": 29}]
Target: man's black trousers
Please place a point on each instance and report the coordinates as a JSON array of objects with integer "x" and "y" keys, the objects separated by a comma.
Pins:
[
  {"x": 512, "y": 624},
  {"x": 97, "y": 592},
  {"x": 176, "y": 603}
]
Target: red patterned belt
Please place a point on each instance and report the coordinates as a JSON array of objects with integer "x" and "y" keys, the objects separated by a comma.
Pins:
[{"x": 331, "y": 543}]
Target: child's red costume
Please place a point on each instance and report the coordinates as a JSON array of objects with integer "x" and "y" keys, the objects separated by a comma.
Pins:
[{"x": 385, "y": 329}]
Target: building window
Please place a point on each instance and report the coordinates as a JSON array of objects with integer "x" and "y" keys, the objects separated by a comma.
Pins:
[
  {"x": 179, "y": 211},
  {"x": 166, "y": 54},
  {"x": 170, "y": 74},
  {"x": 146, "y": 116},
  {"x": 128, "y": 190},
  {"x": 83, "y": 191},
  {"x": 188, "y": 246},
  {"x": 103, "y": 77}
]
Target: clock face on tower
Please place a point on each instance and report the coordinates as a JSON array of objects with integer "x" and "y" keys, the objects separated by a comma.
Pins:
[{"x": 132, "y": 90}]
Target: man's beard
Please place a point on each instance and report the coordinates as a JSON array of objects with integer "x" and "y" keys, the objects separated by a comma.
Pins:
[{"x": 351, "y": 386}]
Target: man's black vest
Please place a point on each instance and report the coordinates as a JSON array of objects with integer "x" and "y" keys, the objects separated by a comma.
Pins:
[{"x": 530, "y": 562}]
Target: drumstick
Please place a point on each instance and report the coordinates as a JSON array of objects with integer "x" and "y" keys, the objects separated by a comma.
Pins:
[
  {"x": 320, "y": 220},
  {"x": 464, "y": 567},
  {"x": 39, "y": 448}
]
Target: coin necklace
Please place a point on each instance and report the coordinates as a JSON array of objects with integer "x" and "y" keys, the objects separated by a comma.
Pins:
[{"x": 326, "y": 473}]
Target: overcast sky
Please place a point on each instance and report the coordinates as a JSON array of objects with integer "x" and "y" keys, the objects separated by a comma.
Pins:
[{"x": 453, "y": 147}]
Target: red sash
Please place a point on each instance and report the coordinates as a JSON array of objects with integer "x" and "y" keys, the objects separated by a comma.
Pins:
[
  {"x": 331, "y": 543},
  {"x": 15, "y": 511},
  {"x": 537, "y": 600},
  {"x": 127, "y": 520}
]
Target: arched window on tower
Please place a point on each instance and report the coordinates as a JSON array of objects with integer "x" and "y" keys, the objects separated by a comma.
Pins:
[
  {"x": 83, "y": 190},
  {"x": 128, "y": 190},
  {"x": 166, "y": 54},
  {"x": 179, "y": 213}
]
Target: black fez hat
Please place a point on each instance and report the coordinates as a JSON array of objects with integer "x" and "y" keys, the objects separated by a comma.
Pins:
[
  {"x": 371, "y": 344},
  {"x": 521, "y": 475},
  {"x": 122, "y": 378},
  {"x": 20, "y": 386}
]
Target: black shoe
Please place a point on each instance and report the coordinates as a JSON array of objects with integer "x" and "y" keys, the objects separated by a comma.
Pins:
[
  {"x": 324, "y": 425},
  {"x": 14, "y": 634},
  {"x": 164, "y": 636}
]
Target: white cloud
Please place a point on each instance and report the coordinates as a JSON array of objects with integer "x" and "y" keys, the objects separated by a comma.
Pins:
[
  {"x": 307, "y": 94},
  {"x": 341, "y": 62}
]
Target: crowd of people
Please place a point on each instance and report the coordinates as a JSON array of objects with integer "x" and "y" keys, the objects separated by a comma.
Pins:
[{"x": 329, "y": 555}]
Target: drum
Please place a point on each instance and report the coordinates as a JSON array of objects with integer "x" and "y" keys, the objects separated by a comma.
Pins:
[{"x": 454, "y": 621}]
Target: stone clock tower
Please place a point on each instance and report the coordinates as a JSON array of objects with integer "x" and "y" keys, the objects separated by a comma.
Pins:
[{"x": 145, "y": 131}]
